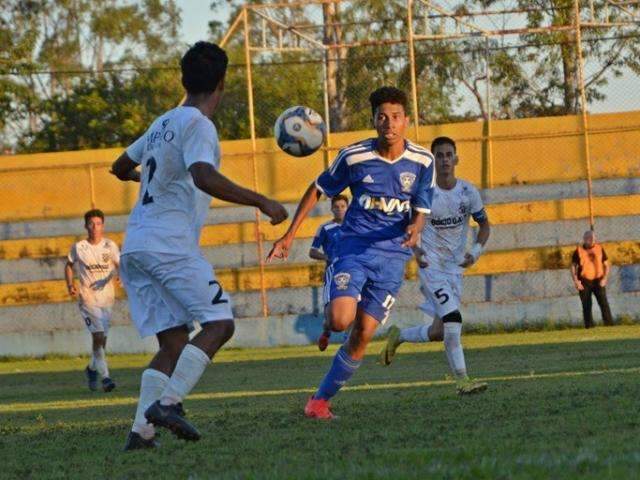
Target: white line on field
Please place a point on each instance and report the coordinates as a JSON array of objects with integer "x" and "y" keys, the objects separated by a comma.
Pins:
[{"x": 112, "y": 402}]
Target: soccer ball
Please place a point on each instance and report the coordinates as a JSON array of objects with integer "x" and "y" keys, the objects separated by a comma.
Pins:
[{"x": 299, "y": 131}]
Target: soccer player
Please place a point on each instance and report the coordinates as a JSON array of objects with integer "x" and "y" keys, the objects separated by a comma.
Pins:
[
  {"x": 168, "y": 281},
  {"x": 442, "y": 259},
  {"x": 95, "y": 260},
  {"x": 327, "y": 238},
  {"x": 391, "y": 181}
]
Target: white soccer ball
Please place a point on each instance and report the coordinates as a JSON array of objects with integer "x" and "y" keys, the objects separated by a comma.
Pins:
[{"x": 300, "y": 131}]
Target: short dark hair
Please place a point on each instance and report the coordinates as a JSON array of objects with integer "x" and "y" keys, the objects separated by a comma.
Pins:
[
  {"x": 203, "y": 67},
  {"x": 388, "y": 95},
  {"x": 337, "y": 198},
  {"x": 443, "y": 141},
  {"x": 93, "y": 213}
]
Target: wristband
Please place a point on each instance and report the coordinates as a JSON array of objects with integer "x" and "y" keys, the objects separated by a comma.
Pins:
[{"x": 476, "y": 251}]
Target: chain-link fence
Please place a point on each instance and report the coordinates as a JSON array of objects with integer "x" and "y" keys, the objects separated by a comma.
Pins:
[{"x": 543, "y": 102}]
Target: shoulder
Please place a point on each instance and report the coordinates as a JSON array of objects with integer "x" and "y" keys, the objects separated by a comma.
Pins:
[
  {"x": 356, "y": 152},
  {"x": 108, "y": 243},
  {"x": 418, "y": 154},
  {"x": 330, "y": 225},
  {"x": 467, "y": 187}
]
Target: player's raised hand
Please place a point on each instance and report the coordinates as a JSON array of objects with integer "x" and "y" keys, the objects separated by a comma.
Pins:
[
  {"x": 72, "y": 290},
  {"x": 280, "y": 249},
  {"x": 274, "y": 210}
]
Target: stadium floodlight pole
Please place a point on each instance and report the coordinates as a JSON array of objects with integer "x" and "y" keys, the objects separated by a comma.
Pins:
[
  {"x": 583, "y": 109},
  {"x": 412, "y": 68},
  {"x": 252, "y": 128}
]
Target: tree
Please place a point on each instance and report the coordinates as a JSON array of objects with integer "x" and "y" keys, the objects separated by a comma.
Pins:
[{"x": 56, "y": 55}]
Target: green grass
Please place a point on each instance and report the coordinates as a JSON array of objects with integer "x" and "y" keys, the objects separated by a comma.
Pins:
[{"x": 561, "y": 404}]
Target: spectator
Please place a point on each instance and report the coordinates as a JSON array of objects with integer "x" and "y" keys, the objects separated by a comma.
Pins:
[{"x": 590, "y": 270}]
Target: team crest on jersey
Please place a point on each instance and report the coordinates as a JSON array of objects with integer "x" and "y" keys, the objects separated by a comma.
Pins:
[
  {"x": 406, "y": 180},
  {"x": 106, "y": 257},
  {"x": 462, "y": 209},
  {"x": 342, "y": 280}
]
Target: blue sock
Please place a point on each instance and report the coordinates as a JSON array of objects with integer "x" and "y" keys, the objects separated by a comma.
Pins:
[{"x": 342, "y": 368}]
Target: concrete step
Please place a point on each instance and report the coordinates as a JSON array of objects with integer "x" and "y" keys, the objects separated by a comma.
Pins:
[
  {"x": 304, "y": 329},
  {"x": 503, "y": 237},
  {"x": 478, "y": 290},
  {"x": 520, "y": 193}
]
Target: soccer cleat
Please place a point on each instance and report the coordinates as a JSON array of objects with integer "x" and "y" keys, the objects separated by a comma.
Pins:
[
  {"x": 136, "y": 442},
  {"x": 171, "y": 417},
  {"x": 108, "y": 384},
  {"x": 318, "y": 408},
  {"x": 323, "y": 341},
  {"x": 92, "y": 379},
  {"x": 467, "y": 386},
  {"x": 389, "y": 349}
]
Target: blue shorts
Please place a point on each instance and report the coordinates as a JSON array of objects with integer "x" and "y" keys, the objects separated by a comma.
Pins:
[{"x": 374, "y": 280}]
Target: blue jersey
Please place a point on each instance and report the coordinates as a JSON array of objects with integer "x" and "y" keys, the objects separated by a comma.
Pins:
[
  {"x": 384, "y": 192},
  {"x": 327, "y": 239}
]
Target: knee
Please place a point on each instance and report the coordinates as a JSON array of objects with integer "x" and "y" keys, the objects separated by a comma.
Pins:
[
  {"x": 98, "y": 340},
  {"x": 452, "y": 328},
  {"x": 436, "y": 334},
  {"x": 340, "y": 320},
  {"x": 227, "y": 329}
]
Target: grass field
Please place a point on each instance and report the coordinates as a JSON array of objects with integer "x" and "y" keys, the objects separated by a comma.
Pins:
[{"x": 561, "y": 404}]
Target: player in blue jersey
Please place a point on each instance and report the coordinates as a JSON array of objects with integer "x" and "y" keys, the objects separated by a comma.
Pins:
[
  {"x": 323, "y": 248},
  {"x": 391, "y": 181}
]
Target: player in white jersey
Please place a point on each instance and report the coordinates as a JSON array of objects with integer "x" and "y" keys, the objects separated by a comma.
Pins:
[
  {"x": 442, "y": 258},
  {"x": 168, "y": 281},
  {"x": 95, "y": 261}
]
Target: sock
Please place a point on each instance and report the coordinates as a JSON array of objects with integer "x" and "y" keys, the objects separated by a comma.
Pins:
[
  {"x": 151, "y": 386},
  {"x": 341, "y": 370},
  {"x": 92, "y": 362},
  {"x": 453, "y": 349},
  {"x": 419, "y": 334},
  {"x": 189, "y": 368},
  {"x": 101, "y": 363}
]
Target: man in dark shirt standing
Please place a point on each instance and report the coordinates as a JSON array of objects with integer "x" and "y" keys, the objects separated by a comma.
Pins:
[{"x": 590, "y": 271}]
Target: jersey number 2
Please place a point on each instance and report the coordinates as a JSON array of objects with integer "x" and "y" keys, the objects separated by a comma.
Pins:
[
  {"x": 216, "y": 299},
  {"x": 151, "y": 164}
]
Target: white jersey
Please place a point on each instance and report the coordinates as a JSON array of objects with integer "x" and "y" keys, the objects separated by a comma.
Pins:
[
  {"x": 95, "y": 266},
  {"x": 444, "y": 237},
  {"x": 170, "y": 210}
]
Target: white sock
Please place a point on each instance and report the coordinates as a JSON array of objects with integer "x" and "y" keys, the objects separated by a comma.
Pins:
[
  {"x": 92, "y": 362},
  {"x": 151, "y": 387},
  {"x": 453, "y": 349},
  {"x": 100, "y": 360},
  {"x": 419, "y": 334},
  {"x": 189, "y": 369}
]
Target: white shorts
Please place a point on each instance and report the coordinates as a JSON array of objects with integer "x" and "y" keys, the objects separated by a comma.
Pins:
[
  {"x": 442, "y": 292},
  {"x": 166, "y": 291},
  {"x": 97, "y": 319}
]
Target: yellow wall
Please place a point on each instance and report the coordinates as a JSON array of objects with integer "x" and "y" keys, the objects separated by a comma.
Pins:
[{"x": 537, "y": 150}]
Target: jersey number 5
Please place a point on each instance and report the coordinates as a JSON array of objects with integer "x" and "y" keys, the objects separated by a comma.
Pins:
[
  {"x": 151, "y": 164},
  {"x": 440, "y": 295}
]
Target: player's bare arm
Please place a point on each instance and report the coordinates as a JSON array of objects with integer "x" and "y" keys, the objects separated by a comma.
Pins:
[
  {"x": 413, "y": 229},
  {"x": 281, "y": 246},
  {"x": 605, "y": 277},
  {"x": 68, "y": 275},
  {"x": 125, "y": 169},
  {"x": 484, "y": 230},
  {"x": 317, "y": 254},
  {"x": 209, "y": 180}
]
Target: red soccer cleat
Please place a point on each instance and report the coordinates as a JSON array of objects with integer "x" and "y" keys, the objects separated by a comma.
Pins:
[
  {"x": 323, "y": 341},
  {"x": 318, "y": 408}
]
